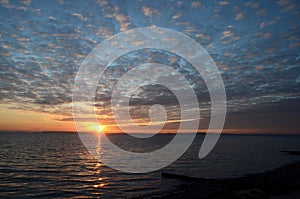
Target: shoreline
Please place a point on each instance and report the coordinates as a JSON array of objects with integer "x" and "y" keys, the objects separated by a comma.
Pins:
[{"x": 283, "y": 182}]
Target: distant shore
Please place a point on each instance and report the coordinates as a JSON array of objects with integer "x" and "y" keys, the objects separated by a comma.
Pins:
[{"x": 283, "y": 182}]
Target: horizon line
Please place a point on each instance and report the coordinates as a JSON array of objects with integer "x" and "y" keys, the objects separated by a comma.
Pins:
[{"x": 161, "y": 133}]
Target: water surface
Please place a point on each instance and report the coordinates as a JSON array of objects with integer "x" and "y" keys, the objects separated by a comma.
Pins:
[{"x": 58, "y": 165}]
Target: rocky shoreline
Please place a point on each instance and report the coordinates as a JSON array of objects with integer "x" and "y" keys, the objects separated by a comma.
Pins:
[{"x": 283, "y": 182}]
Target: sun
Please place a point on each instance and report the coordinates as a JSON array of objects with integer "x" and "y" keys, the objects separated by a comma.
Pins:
[{"x": 96, "y": 128}]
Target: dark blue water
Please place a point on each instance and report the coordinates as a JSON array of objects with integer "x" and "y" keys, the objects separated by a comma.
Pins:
[{"x": 58, "y": 165}]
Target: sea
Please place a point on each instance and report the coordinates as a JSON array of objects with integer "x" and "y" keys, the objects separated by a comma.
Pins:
[{"x": 56, "y": 164}]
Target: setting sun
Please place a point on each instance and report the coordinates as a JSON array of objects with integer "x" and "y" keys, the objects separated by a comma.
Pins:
[{"x": 97, "y": 128}]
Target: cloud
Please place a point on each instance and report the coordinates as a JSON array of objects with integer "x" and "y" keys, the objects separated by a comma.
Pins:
[
  {"x": 239, "y": 16},
  {"x": 79, "y": 16},
  {"x": 41, "y": 51},
  {"x": 196, "y": 4}
]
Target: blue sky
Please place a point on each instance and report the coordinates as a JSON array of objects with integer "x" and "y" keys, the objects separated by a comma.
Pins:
[{"x": 255, "y": 44}]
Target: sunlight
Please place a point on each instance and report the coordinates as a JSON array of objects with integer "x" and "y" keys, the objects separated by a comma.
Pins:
[{"x": 97, "y": 128}]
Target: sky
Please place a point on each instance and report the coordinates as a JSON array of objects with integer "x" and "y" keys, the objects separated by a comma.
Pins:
[{"x": 255, "y": 44}]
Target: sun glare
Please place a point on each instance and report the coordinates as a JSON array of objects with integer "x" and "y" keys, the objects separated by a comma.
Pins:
[{"x": 97, "y": 128}]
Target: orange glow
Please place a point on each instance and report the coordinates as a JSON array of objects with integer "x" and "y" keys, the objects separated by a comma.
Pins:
[
  {"x": 99, "y": 185},
  {"x": 94, "y": 127},
  {"x": 25, "y": 120}
]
